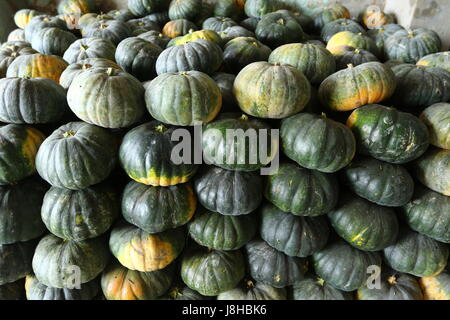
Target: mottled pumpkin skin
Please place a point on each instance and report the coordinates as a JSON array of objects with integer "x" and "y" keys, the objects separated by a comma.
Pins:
[
  {"x": 211, "y": 272},
  {"x": 436, "y": 60},
  {"x": 437, "y": 118},
  {"x": 330, "y": 13},
  {"x": 41, "y": 22},
  {"x": 250, "y": 23},
  {"x": 348, "y": 89},
  {"x": 112, "y": 30},
  {"x": 12, "y": 291},
  {"x": 15, "y": 261},
  {"x": 379, "y": 35},
  {"x": 24, "y": 16},
  {"x": 18, "y": 148},
  {"x": 235, "y": 32},
  {"x": 241, "y": 51},
  {"x": 411, "y": 46},
  {"x": 304, "y": 138},
  {"x": 336, "y": 26},
  {"x": 142, "y": 24},
  {"x": 225, "y": 83},
  {"x": 436, "y": 287},
  {"x": 343, "y": 266},
  {"x": 355, "y": 40},
  {"x": 76, "y": 6},
  {"x": 88, "y": 18},
  {"x": 373, "y": 18},
  {"x": 120, "y": 283},
  {"x": 37, "y": 66},
  {"x": 388, "y": 134},
  {"x": 229, "y": 8},
  {"x": 218, "y": 24},
  {"x": 185, "y": 9},
  {"x": 259, "y": 8},
  {"x": 138, "y": 250},
  {"x": 433, "y": 170},
  {"x": 276, "y": 29},
  {"x": 155, "y": 37},
  {"x": 177, "y": 28},
  {"x": 416, "y": 254},
  {"x": 121, "y": 14},
  {"x": 156, "y": 209},
  {"x": 349, "y": 55},
  {"x": 36, "y": 290},
  {"x": 145, "y": 7},
  {"x": 428, "y": 213},
  {"x": 90, "y": 48},
  {"x": 53, "y": 41},
  {"x": 253, "y": 291},
  {"x": 317, "y": 289}
]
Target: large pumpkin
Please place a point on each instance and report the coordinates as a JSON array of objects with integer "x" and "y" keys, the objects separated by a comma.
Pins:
[
  {"x": 339, "y": 25},
  {"x": 249, "y": 290},
  {"x": 40, "y": 22},
  {"x": 436, "y": 60},
  {"x": 355, "y": 40},
  {"x": 155, "y": 37},
  {"x": 36, "y": 290},
  {"x": 37, "y": 66},
  {"x": 24, "y": 16},
  {"x": 15, "y": 262},
  {"x": 437, "y": 118},
  {"x": 90, "y": 48},
  {"x": 436, "y": 287},
  {"x": 195, "y": 35},
  {"x": 52, "y": 41},
  {"x": 145, "y": 7},
  {"x": 235, "y": 32},
  {"x": 433, "y": 170},
  {"x": 76, "y": 6},
  {"x": 112, "y": 30},
  {"x": 229, "y": 8},
  {"x": 241, "y": 51},
  {"x": 225, "y": 83},
  {"x": 312, "y": 288},
  {"x": 88, "y": 18},
  {"x": 277, "y": 28}
]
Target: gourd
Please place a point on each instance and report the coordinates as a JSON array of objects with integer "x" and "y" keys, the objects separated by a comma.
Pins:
[
  {"x": 436, "y": 60},
  {"x": 37, "y": 66},
  {"x": 177, "y": 28},
  {"x": 185, "y": 9},
  {"x": 218, "y": 24},
  {"x": 24, "y": 16},
  {"x": 432, "y": 169},
  {"x": 314, "y": 288},
  {"x": 241, "y": 51},
  {"x": 53, "y": 41},
  {"x": 437, "y": 118},
  {"x": 436, "y": 287},
  {"x": 112, "y": 30},
  {"x": 90, "y": 48},
  {"x": 9, "y": 53},
  {"x": 144, "y": 7},
  {"x": 235, "y": 32},
  {"x": 355, "y": 40},
  {"x": 339, "y": 25},
  {"x": 76, "y": 6},
  {"x": 276, "y": 29},
  {"x": 35, "y": 290},
  {"x": 259, "y": 8},
  {"x": 349, "y": 55},
  {"x": 330, "y": 13}
]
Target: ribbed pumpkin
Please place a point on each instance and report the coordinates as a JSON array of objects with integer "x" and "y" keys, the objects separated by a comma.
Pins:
[
  {"x": 88, "y": 18},
  {"x": 249, "y": 290},
  {"x": 436, "y": 287},
  {"x": 343, "y": 266},
  {"x": 9, "y": 53},
  {"x": 250, "y": 23},
  {"x": 411, "y": 45},
  {"x": 90, "y": 48},
  {"x": 355, "y": 40},
  {"x": 37, "y": 66},
  {"x": 177, "y": 28},
  {"x": 20, "y": 216},
  {"x": 304, "y": 140},
  {"x": 144, "y": 7},
  {"x": 145, "y": 155},
  {"x": 437, "y": 119},
  {"x": 120, "y": 283},
  {"x": 416, "y": 254},
  {"x": 276, "y": 29},
  {"x": 241, "y": 51},
  {"x": 195, "y": 35},
  {"x": 330, "y": 13},
  {"x": 52, "y": 41},
  {"x": 36, "y": 290},
  {"x": 71, "y": 156},
  {"x": 211, "y": 272},
  {"x": 24, "y": 16},
  {"x": 142, "y": 24},
  {"x": 18, "y": 263},
  {"x": 184, "y": 98},
  {"x": 41, "y": 22},
  {"x": 12, "y": 291},
  {"x": 380, "y": 35},
  {"x": 235, "y": 32},
  {"x": 354, "y": 87},
  {"x": 374, "y": 17},
  {"x": 350, "y": 56},
  {"x": 155, "y": 37},
  {"x": 315, "y": 62},
  {"x": 336, "y": 26},
  {"x": 76, "y": 6},
  {"x": 18, "y": 148},
  {"x": 436, "y": 60},
  {"x": 259, "y": 8},
  {"x": 112, "y": 30},
  {"x": 16, "y": 35},
  {"x": 185, "y": 9},
  {"x": 157, "y": 209},
  {"x": 121, "y": 14},
  {"x": 225, "y": 83},
  {"x": 218, "y": 24},
  {"x": 312, "y": 288},
  {"x": 229, "y": 8},
  {"x": 433, "y": 170}
]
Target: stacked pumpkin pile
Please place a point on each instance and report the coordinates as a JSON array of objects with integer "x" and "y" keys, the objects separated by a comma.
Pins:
[{"x": 359, "y": 206}]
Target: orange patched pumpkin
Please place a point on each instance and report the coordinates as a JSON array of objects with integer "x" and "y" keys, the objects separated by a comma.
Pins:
[{"x": 37, "y": 66}]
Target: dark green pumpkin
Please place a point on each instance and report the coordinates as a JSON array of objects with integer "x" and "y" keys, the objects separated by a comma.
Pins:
[
  {"x": 433, "y": 170},
  {"x": 90, "y": 48},
  {"x": 155, "y": 37},
  {"x": 250, "y": 23},
  {"x": 185, "y": 9},
  {"x": 343, "y": 266},
  {"x": 161, "y": 17},
  {"x": 304, "y": 138},
  {"x": 183, "y": 293},
  {"x": 225, "y": 83},
  {"x": 12, "y": 291},
  {"x": 229, "y": 8},
  {"x": 88, "y": 18},
  {"x": 336, "y": 26},
  {"x": 355, "y": 40},
  {"x": 41, "y": 22},
  {"x": 144, "y": 7},
  {"x": 241, "y": 51},
  {"x": 142, "y": 23},
  {"x": 313, "y": 288},
  {"x": 249, "y": 290},
  {"x": 9, "y": 53},
  {"x": 379, "y": 35},
  {"x": 15, "y": 261},
  {"x": 36, "y": 290},
  {"x": 157, "y": 209},
  {"x": 330, "y": 13},
  {"x": 275, "y": 29},
  {"x": 437, "y": 118},
  {"x": 235, "y": 32},
  {"x": 388, "y": 134},
  {"x": 54, "y": 41},
  {"x": 112, "y": 30},
  {"x": 259, "y": 8},
  {"x": 218, "y": 24},
  {"x": 355, "y": 57}
]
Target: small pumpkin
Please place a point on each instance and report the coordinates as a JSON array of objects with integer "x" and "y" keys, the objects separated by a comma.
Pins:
[
  {"x": 36, "y": 290},
  {"x": 16, "y": 35},
  {"x": 144, "y": 7},
  {"x": 112, "y": 30},
  {"x": 177, "y": 28},
  {"x": 52, "y": 41},
  {"x": 41, "y": 22},
  {"x": 339, "y": 25},
  {"x": 275, "y": 29},
  {"x": 437, "y": 118},
  {"x": 436, "y": 287},
  {"x": 241, "y": 51},
  {"x": 155, "y": 37},
  {"x": 76, "y": 6},
  {"x": 195, "y": 35},
  {"x": 12, "y": 291},
  {"x": 235, "y": 32},
  {"x": 37, "y": 66},
  {"x": 185, "y": 9},
  {"x": 249, "y": 290},
  {"x": 330, "y": 13},
  {"x": 121, "y": 14},
  {"x": 351, "y": 56},
  {"x": 143, "y": 23},
  {"x": 259, "y": 8},
  {"x": 250, "y": 23},
  {"x": 373, "y": 17},
  {"x": 433, "y": 170},
  {"x": 380, "y": 35},
  {"x": 355, "y": 40},
  {"x": 218, "y": 24},
  {"x": 24, "y": 16},
  {"x": 90, "y": 48},
  {"x": 436, "y": 60},
  {"x": 313, "y": 288},
  {"x": 18, "y": 263},
  {"x": 88, "y": 18}
]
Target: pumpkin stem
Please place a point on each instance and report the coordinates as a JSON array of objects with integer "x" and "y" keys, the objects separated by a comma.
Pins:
[
  {"x": 110, "y": 71},
  {"x": 392, "y": 280},
  {"x": 350, "y": 65},
  {"x": 280, "y": 21},
  {"x": 411, "y": 34},
  {"x": 183, "y": 73},
  {"x": 357, "y": 51},
  {"x": 103, "y": 26},
  {"x": 160, "y": 35},
  {"x": 83, "y": 47},
  {"x": 250, "y": 284},
  {"x": 174, "y": 293},
  {"x": 244, "y": 117},
  {"x": 69, "y": 133},
  {"x": 160, "y": 128},
  {"x": 46, "y": 19},
  {"x": 14, "y": 54},
  {"x": 323, "y": 115},
  {"x": 86, "y": 66},
  {"x": 320, "y": 281},
  {"x": 191, "y": 31},
  {"x": 210, "y": 249}
]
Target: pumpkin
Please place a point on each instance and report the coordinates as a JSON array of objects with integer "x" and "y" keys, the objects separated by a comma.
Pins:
[
  {"x": 161, "y": 18},
  {"x": 79, "y": 214},
  {"x": 37, "y": 66},
  {"x": 143, "y": 23},
  {"x": 228, "y": 192},
  {"x": 218, "y": 24},
  {"x": 120, "y": 283},
  {"x": 235, "y": 32},
  {"x": 70, "y": 156},
  {"x": 9, "y": 53},
  {"x": 185, "y": 9},
  {"x": 15, "y": 262},
  {"x": 199, "y": 55},
  {"x": 121, "y": 14},
  {"x": 411, "y": 45},
  {"x": 220, "y": 232},
  {"x": 112, "y": 30},
  {"x": 182, "y": 292},
  {"x": 330, "y": 13},
  {"x": 20, "y": 216},
  {"x": 57, "y": 261},
  {"x": 76, "y": 6},
  {"x": 380, "y": 35},
  {"x": 195, "y": 35},
  {"x": 373, "y": 17},
  {"x": 24, "y": 16},
  {"x": 433, "y": 170},
  {"x": 157, "y": 209},
  {"x": 339, "y": 25},
  {"x": 384, "y": 183},
  {"x": 436, "y": 60},
  {"x": 428, "y": 213},
  {"x": 437, "y": 118},
  {"x": 351, "y": 56},
  {"x": 206, "y": 11},
  {"x": 19, "y": 44},
  {"x": 312, "y": 288},
  {"x": 416, "y": 254},
  {"x": 185, "y": 98},
  {"x": 250, "y": 23},
  {"x": 88, "y": 18},
  {"x": 36, "y": 290},
  {"x": 304, "y": 140},
  {"x": 234, "y": 151},
  {"x": 18, "y": 147},
  {"x": 139, "y": 250},
  {"x": 177, "y": 28},
  {"x": 229, "y": 8},
  {"x": 241, "y": 51},
  {"x": 145, "y": 155},
  {"x": 259, "y": 8},
  {"x": 225, "y": 83},
  {"x": 276, "y": 29},
  {"x": 249, "y": 290},
  {"x": 343, "y": 266},
  {"x": 155, "y": 37},
  {"x": 436, "y": 287},
  {"x": 315, "y": 62},
  {"x": 355, "y": 40},
  {"x": 52, "y": 41},
  {"x": 16, "y": 35},
  {"x": 144, "y": 7},
  {"x": 212, "y": 272},
  {"x": 12, "y": 291},
  {"x": 90, "y": 48},
  {"x": 41, "y": 22}
]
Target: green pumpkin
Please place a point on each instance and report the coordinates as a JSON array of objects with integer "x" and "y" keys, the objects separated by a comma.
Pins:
[
  {"x": 275, "y": 29},
  {"x": 185, "y": 9},
  {"x": 355, "y": 40},
  {"x": 241, "y": 51},
  {"x": 177, "y": 28},
  {"x": 228, "y": 192},
  {"x": 433, "y": 170},
  {"x": 41, "y": 22},
  {"x": 416, "y": 254},
  {"x": 329, "y": 14},
  {"x": 218, "y": 24},
  {"x": 112, "y": 30},
  {"x": 70, "y": 156},
  {"x": 195, "y": 35},
  {"x": 380, "y": 35},
  {"x": 250, "y": 23},
  {"x": 384, "y": 183},
  {"x": 212, "y": 272},
  {"x": 36, "y": 290},
  {"x": 339, "y": 25},
  {"x": 142, "y": 24},
  {"x": 121, "y": 14},
  {"x": 312, "y": 288},
  {"x": 145, "y": 155},
  {"x": 225, "y": 83},
  {"x": 249, "y": 290},
  {"x": 351, "y": 56},
  {"x": 157, "y": 209},
  {"x": 76, "y": 6},
  {"x": 231, "y": 33},
  {"x": 155, "y": 37},
  {"x": 259, "y": 8},
  {"x": 9, "y": 53},
  {"x": 144, "y": 7},
  {"x": 343, "y": 266},
  {"x": 272, "y": 267},
  {"x": 388, "y": 134},
  {"x": 12, "y": 291},
  {"x": 437, "y": 119},
  {"x": 37, "y": 66},
  {"x": 229, "y": 8},
  {"x": 315, "y": 62},
  {"x": 88, "y": 18},
  {"x": 182, "y": 293},
  {"x": 24, "y": 16},
  {"x": 90, "y": 48},
  {"x": 31, "y": 101},
  {"x": 436, "y": 60},
  {"x": 411, "y": 45},
  {"x": 304, "y": 139},
  {"x": 436, "y": 287},
  {"x": 52, "y": 41},
  {"x": 15, "y": 261}
]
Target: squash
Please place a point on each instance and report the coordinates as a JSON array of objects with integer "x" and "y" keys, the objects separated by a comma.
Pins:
[
  {"x": 121, "y": 14},
  {"x": 20, "y": 215},
  {"x": 231, "y": 33},
  {"x": 436, "y": 60},
  {"x": 37, "y": 66},
  {"x": 250, "y": 23},
  {"x": 9, "y": 53},
  {"x": 15, "y": 262},
  {"x": 380, "y": 35},
  {"x": 355, "y": 40},
  {"x": 388, "y": 134},
  {"x": 185, "y": 9},
  {"x": 304, "y": 139},
  {"x": 185, "y": 98},
  {"x": 16, "y": 35},
  {"x": 195, "y": 35},
  {"x": 76, "y": 6},
  {"x": 241, "y": 51},
  {"x": 313, "y": 288},
  {"x": 380, "y": 182},
  {"x": 120, "y": 283},
  {"x": 343, "y": 266},
  {"x": 212, "y": 272},
  {"x": 259, "y": 8},
  {"x": 145, "y": 7},
  {"x": 225, "y": 83},
  {"x": 36, "y": 290},
  {"x": 18, "y": 147},
  {"x": 275, "y": 29},
  {"x": 12, "y": 291},
  {"x": 145, "y": 155},
  {"x": 339, "y": 25},
  {"x": 249, "y": 290},
  {"x": 88, "y": 18},
  {"x": 228, "y": 192},
  {"x": 436, "y": 287},
  {"x": 348, "y": 89},
  {"x": 229, "y": 8},
  {"x": 143, "y": 23},
  {"x": 373, "y": 17},
  {"x": 155, "y": 37},
  {"x": 351, "y": 56},
  {"x": 41, "y": 22},
  {"x": 433, "y": 170},
  {"x": 437, "y": 118},
  {"x": 177, "y": 28},
  {"x": 182, "y": 292},
  {"x": 416, "y": 254},
  {"x": 411, "y": 45},
  {"x": 70, "y": 156},
  {"x": 218, "y": 24},
  {"x": 112, "y": 30},
  {"x": 52, "y": 41},
  {"x": 330, "y": 13},
  {"x": 90, "y": 48},
  {"x": 24, "y": 16},
  {"x": 206, "y": 11},
  {"x": 157, "y": 209}
]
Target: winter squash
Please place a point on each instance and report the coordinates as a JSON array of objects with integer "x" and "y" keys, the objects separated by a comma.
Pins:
[
  {"x": 18, "y": 264},
  {"x": 155, "y": 37},
  {"x": 259, "y": 8},
  {"x": 157, "y": 209},
  {"x": 249, "y": 290},
  {"x": 41, "y": 22},
  {"x": 380, "y": 35},
  {"x": 185, "y": 9},
  {"x": 182, "y": 292},
  {"x": 241, "y": 51},
  {"x": 436, "y": 287},
  {"x": 225, "y": 83},
  {"x": 24, "y": 16},
  {"x": 351, "y": 56},
  {"x": 144, "y": 7},
  {"x": 355, "y": 40},
  {"x": 235, "y": 32},
  {"x": 145, "y": 155},
  {"x": 36, "y": 290},
  {"x": 218, "y": 24},
  {"x": 53, "y": 41},
  {"x": 229, "y": 8},
  {"x": 276, "y": 29},
  {"x": 312, "y": 288},
  {"x": 76, "y": 6},
  {"x": 437, "y": 118},
  {"x": 177, "y": 28},
  {"x": 432, "y": 169},
  {"x": 59, "y": 158},
  {"x": 18, "y": 147},
  {"x": 195, "y": 35},
  {"x": 143, "y": 23},
  {"x": 88, "y": 18},
  {"x": 112, "y": 30},
  {"x": 304, "y": 140},
  {"x": 12, "y": 291},
  {"x": 339, "y": 25},
  {"x": 121, "y": 14},
  {"x": 37, "y": 66},
  {"x": 301, "y": 191},
  {"x": 373, "y": 17},
  {"x": 330, "y": 13},
  {"x": 436, "y": 60},
  {"x": 250, "y": 23},
  {"x": 90, "y": 48},
  {"x": 16, "y": 35}
]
